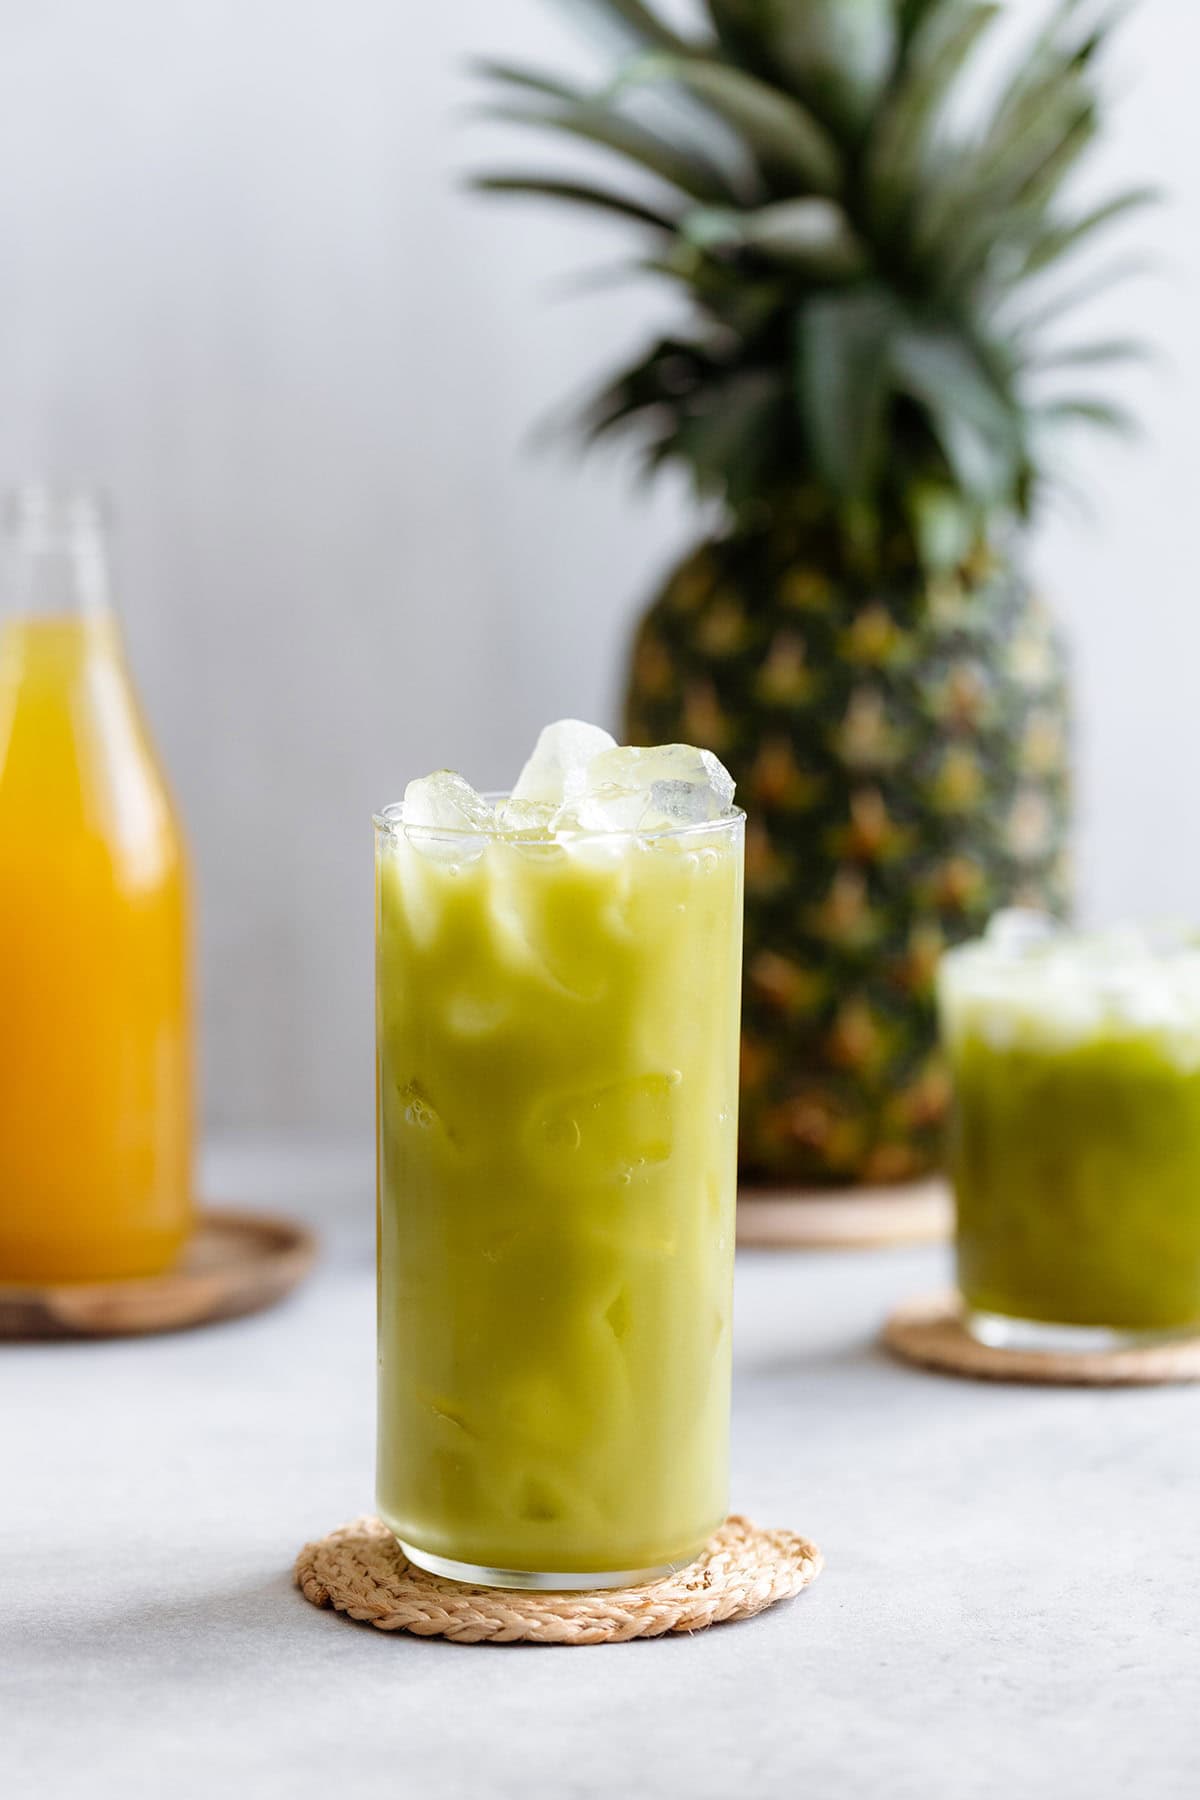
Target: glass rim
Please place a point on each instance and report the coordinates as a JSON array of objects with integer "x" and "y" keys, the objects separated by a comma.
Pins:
[
  {"x": 389, "y": 821},
  {"x": 1091, "y": 954}
]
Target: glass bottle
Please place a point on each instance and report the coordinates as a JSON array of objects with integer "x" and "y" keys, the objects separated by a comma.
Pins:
[{"x": 95, "y": 997}]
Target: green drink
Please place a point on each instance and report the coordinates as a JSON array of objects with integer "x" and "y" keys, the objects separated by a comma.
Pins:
[
  {"x": 557, "y": 1025},
  {"x": 1076, "y": 1145}
]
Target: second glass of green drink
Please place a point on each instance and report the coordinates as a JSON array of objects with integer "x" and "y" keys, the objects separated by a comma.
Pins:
[
  {"x": 557, "y": 1016},
  {"x": 1075, "y": 1150}
]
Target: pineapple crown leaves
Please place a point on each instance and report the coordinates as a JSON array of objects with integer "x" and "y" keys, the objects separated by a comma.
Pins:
[{"x": 871, "y": 285}]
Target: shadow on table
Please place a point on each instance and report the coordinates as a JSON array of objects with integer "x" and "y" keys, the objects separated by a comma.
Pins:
[
  {"x": 173, "y": 1625},
  {"x": 191, "y": 1638},
  {"x": 843, "y": 1356}
]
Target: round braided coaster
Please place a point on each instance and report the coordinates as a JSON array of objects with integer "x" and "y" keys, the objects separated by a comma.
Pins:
[
  {"x": 361, "y": 1570},
  {"x": 930, "y": 1332}
]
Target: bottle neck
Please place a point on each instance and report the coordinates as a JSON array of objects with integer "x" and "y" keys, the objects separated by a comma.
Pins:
[{"x": 53, "y": 556}]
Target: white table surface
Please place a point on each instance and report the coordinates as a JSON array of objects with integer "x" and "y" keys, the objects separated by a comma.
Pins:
[{"x": 1010, "y": 1608}]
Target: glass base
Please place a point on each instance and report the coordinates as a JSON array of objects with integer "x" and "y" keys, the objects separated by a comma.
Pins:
[
  {"x": 477, "y": 1575},
  {"x": 1000, "y": 1332}
]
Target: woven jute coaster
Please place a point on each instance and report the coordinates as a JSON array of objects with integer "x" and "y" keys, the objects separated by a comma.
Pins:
[
  {"x": 930, "y": 1332},
  {"x": 360, "y": 1569},
  {"x": 852, "y": 1218}
]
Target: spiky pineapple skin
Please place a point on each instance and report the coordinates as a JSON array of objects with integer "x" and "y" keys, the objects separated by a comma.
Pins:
[{"x": 900, "y": 747}]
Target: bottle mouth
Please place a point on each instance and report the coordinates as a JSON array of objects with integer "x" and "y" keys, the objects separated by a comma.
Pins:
[
  {"x": 54, "y": 512},
  {"x": 53, "y": 551}
]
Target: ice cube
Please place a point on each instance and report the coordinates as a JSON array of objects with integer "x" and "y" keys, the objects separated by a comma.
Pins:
[
  {"x": 1030, "y": 982},
  {"x": 614, "y": 1131},
  {"x": 558, "y": 767},
  {"x": 604, "y": 809},
  {"x": 678, "y": 786},
  {"x": 525, "y": 816},
  {"x": 439, "y": 809},
  {"x": 1017, "y": 929}
]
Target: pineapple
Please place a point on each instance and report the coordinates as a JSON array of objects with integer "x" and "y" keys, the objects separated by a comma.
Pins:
[{"x": 866, "y": 383}]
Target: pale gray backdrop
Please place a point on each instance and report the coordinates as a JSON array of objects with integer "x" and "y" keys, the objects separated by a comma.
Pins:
[{"x": 240, "y": 286}]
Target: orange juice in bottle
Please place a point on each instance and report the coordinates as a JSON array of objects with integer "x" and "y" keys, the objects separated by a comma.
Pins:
[{"x": 95, "y": 1006}]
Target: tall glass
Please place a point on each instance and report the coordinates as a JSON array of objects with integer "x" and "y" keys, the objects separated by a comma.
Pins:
[
  {"x": 557, "y": 1088},
  {"x": 95, "y": 1014}
]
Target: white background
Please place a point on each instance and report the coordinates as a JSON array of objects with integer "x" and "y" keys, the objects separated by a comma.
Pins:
[{"x": 241, "y": 286}]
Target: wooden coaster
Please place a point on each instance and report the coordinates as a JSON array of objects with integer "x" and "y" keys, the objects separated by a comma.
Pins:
[
  {"x": 930, "y": 1332},
  {"x": 913, "y": 1212},
  {"x": 361, "y": 1570},
  {"x": 237, "y": 1262}
]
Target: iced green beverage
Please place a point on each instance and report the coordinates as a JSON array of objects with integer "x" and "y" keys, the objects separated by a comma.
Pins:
[
  {"x": 1076, "y": 1143},
  {"x": 558, "y": 998}
]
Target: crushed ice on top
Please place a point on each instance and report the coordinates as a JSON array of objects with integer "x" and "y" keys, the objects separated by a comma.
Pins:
[
  {"x": 1030, "y": 979},
  {"x": 578, "y": 780}
]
